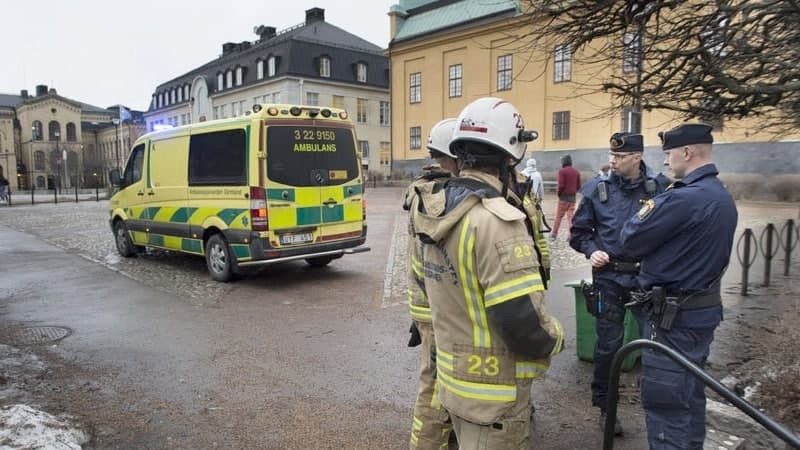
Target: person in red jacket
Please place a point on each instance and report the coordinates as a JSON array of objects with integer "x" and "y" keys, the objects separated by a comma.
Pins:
[{"x": 569, "y": 183}]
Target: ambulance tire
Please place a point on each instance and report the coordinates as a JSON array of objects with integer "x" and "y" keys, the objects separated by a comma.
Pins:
[
  {"x": 123, "y": 241},
  {"x": 218, "y": 258},
  {"x": 319, "y": 261}
]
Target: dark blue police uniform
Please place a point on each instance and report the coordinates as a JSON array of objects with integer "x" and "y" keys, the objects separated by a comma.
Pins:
[
  {"x": 607, "y": 203},
  {"x": 684, "y": 237}
]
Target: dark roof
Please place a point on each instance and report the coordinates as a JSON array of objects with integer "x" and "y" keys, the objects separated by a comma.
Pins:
[
  {"x": 10, "y": 100},
  {"x": 297, "y": 50}
]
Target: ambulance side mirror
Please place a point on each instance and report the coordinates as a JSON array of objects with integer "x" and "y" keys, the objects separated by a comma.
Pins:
[{"x": 115, "y": 177}]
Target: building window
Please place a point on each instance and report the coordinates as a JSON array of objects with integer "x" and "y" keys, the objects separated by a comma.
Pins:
[
  {"x": 180, "y": 95},
  {"x": 312, "y": 98},
  {"x": 325, "y": 67},
  {"x": 36, "y": 130},
  {"x": 271, "y": 66},
  {"x": 363, "y": 146},
  {"x": 260, "y": 69},
  {"x": 361, "y": 110},
  {"x": 38, "y": 160},
  {"x": 338, "y": 101},
  {"x": 186, "y": 92},
  {"x": 563, "y": 63},
  {"x": 72, "y": 136},
  {"x": 229, "y": 79},
  {"x": 235, "y": 109},
  {"x": 416, "y": 138},
  {"x": 223, "y": 111},
  {"x": 560, "y": 125},
  {"x": 632, "y": 52},
  {"x": 172, "y": 97},
  {"x": 361, "y": 73},
  {"x": 220, "y": 85},
  {"x": 415, "y": 87},
  {"x": 216, "y": 112},
  {"x": 455, "y": 80},
  {"x": 386, "y": 153},
  {"x": 504, "y": 73},
  {"x": 385, "y": 114},
  {"x": 54, "y": 131},
  {"x": 239, "y": 76},
  {"x": 631, "y": 120}
]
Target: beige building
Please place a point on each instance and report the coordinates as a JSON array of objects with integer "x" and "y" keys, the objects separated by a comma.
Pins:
[
  {"x": 39, "y": 132},
  {"x": 445, "y": 54},
  {"x": 312, "y": 63}
]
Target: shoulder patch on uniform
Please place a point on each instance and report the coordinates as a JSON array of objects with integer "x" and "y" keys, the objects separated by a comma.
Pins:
[
  {"x": 502, "y": 209},
  {"x": 647, "y": 208}
]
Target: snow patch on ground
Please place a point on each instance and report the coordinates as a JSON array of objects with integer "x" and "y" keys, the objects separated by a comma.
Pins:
[{"x": 23, "y": 427}]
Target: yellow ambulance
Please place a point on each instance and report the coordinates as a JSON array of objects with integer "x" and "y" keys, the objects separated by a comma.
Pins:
[{"x": 280, "y": 183}]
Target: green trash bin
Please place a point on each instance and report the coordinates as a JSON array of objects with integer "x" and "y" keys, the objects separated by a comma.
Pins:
[{"x": 585, "y": 336}]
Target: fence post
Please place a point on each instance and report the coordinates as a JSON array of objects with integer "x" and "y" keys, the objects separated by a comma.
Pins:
[
  {"x": 55, "y": 194},
  {"x": 33, "y": 189},
  {"x": 744, "y": 259}
]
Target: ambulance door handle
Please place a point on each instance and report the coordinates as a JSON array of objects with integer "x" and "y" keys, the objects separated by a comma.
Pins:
[
  {"x": 329, "y": 202},
  {"x": 151, "y": 193},
  {"x": 140, "y": 193}
]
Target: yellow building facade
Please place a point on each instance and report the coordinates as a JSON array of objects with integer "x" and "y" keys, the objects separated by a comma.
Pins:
[{"x": 445, "y": 54}]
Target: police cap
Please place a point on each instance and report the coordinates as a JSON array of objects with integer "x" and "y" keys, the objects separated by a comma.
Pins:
[
  {"x": 686, "y": 134},
  {"x": 626, "y": 143}
]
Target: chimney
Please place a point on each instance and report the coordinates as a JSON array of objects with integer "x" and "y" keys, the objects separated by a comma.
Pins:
[
  {"x": 23, "y": 93},
  {"x": 41, "y": 89},
  {"x": 315, "y": 15},
  {"x": 265, "y": 32},
  {"x": 228, "y": 48},
  {"x": 52, "y": 91}
]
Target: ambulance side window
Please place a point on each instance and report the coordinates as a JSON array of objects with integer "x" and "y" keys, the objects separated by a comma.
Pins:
[{"x": 133, "y": 172}]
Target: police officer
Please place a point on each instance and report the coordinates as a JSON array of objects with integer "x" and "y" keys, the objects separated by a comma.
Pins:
[
  {"x": 481, "y": 275},
  {"x": 431, "y": 424},
  {"x": 684, "y": 237},
  {"x": 607, "y": 203}
]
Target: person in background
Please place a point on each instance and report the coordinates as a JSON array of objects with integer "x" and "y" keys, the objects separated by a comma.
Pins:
[
  {"x": 605, "y": 171},
  {"x": 481, "y": 275},
  {"x": 684, "y": 238},
  {"x": 607, "y": 202},
  {"x": 569, "y": 182},
  {"x": 3, "y": 189},
  {"x": 431, "y": 424},
  {"x": 537, "y": 186}
]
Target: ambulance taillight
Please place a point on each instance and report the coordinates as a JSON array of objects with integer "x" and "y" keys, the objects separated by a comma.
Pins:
[{"x": 258, "y": 209}]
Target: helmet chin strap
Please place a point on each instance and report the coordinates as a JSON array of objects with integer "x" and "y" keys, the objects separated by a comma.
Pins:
[{"x": 505, "y": 178}]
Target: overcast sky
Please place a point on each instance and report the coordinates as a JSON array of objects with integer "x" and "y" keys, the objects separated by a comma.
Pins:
[{"x": 106, "y": 52}]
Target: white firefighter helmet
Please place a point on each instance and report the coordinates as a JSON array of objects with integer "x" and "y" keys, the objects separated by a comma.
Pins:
[
  {"x": 493, "y": 121},
  {"x": 441, "y": 134}
]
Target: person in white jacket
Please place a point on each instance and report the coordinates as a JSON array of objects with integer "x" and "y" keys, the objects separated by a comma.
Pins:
[{"x": 537, "y": 187}]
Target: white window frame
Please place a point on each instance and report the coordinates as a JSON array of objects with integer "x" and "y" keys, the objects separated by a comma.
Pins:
[
  {"x": 220, "y": 81},
  {"x": 260, "y": 69},
  {"x": 385, "y": 114},
  {"x": 455, "y": 80},
  {"x": 361, "y": 73},
  {"x": 362, "y": 105},
  {"x": 229, "y": 79},
  {"x": 271, "y": 66},
  {"x": 325, "y": 67},
  {"x": 415, "y": 87},
  {"x": 505, "y": 67},
  {"x": 561, "y": 125},
  {"x": 239, "y": 77},
  {"x": 312, "y": 98},
  {"x": 415, "y": 138},
  {"x": 562, "y": 66}
]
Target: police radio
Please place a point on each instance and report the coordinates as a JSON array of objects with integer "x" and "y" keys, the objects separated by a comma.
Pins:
[{"x": 602, "y": 191}]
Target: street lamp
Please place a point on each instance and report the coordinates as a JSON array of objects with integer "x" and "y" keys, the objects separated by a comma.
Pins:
[
  {"x": 57, "y": 135},
  {"x": 116, "y": 142}
]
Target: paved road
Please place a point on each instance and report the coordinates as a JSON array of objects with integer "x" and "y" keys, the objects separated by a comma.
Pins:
[{"x": 286, "y": 357}]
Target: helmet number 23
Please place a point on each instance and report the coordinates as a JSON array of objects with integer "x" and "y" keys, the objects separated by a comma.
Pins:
[{"x": 489, "y": 366}]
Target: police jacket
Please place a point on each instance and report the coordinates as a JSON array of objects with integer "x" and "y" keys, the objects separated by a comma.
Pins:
[
  {"x": 487, "y": 298},
  {"x": 685, "y": 235},
  {"x": 608, "y": 202},
  {"x": 418, "y": 304}
]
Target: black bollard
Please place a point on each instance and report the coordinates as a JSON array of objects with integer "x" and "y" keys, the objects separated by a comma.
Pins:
[
  {"x": 768, "y": 251},
  {"x": 96, "y": 192},
  {"x": 76, "y": 193},
  {"x": 9, "y": 194},
  {"x": 744, "y": 259},
  {"x": 789, "y": 243},
  {"x": 33, "y": 189},
  {"x": 55, "y": 195}
]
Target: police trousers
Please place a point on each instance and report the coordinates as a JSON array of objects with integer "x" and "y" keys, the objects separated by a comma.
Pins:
[
  {"x": 511, "y": 432},
  {"x": 610, "y": 330},
  {"x": 430, "y": 428},
  {"x": 674, "y": 400}
]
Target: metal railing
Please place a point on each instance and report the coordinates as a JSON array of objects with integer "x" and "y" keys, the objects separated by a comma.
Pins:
[{"x": 613, "y": 386}]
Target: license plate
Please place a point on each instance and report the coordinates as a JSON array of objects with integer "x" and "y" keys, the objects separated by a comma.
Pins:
[{"x": 296, "y": 238}]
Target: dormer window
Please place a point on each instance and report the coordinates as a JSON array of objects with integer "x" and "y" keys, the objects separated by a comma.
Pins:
[
  {"x": 271, "y": 63},
  {"x": 260, "y": 69},
  {"x": 325, "y": 67},
  {"x": 229, "y": 79},
  {"x": 361, "y": 73},
  {"x": 239, "y": 76},
  {"x": 220, "y": 83},
  {"x": 180, "y": 95}
]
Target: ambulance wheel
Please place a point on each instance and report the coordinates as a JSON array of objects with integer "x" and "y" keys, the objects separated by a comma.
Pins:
[
  {"x": 319, "y": 261},
  {"x": 218, "y": 258},
  {"x": 123, "y": 240}
]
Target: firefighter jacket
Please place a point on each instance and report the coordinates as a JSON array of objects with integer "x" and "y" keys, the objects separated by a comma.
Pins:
[
  {"x": 481, "y": 276},
  {"x": 520, "y": 196},
  {"x": 417, "y": 301}
]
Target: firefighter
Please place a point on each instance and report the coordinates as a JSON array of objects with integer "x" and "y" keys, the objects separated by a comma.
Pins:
[
  {"x": 480, "y": 272},
  {"x": 431, "y": 424}
]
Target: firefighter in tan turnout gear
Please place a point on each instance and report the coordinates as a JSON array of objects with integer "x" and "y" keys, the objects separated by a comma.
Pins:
[
  {"x": 480, "y": 273},
  {"x": 431, "y": 424}
]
